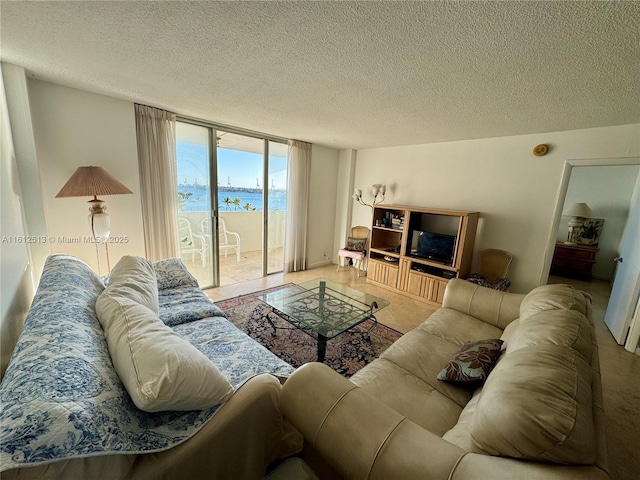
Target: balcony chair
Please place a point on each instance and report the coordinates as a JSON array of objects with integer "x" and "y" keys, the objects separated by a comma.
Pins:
[
  {"x": 493, "y": 266},
  {"x": 226, "y": 240},
  {"x": 356, "y": 248},
  {"x": 191, "y": 243}
]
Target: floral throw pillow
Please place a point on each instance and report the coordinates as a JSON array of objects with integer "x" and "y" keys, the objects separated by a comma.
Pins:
[
  {"x": 356, "y": 244},
  {"x": 472, "y": 362}
]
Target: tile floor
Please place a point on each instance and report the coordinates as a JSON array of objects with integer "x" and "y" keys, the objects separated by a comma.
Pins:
[
  {"x": 402, "y": 314},
  {"x": 231, "y": 271},
  {"x": 621, "y": 384}
]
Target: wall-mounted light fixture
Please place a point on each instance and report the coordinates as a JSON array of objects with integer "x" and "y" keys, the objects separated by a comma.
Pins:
[{"x": 377, "y": 190}]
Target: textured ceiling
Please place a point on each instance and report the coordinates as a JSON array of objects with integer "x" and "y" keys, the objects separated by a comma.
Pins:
[{"x": 346, "y": 74}]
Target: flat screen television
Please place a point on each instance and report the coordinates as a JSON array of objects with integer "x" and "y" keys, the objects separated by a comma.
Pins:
[{"x": 433, "y": 246}]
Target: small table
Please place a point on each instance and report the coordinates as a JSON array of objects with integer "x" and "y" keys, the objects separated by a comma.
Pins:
[{"x": 323, "y": 309}]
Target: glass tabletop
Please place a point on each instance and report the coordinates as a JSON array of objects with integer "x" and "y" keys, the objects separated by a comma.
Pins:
[{"x": 326, "y": 307}]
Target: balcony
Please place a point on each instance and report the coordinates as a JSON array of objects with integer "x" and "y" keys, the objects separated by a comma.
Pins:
[{"x": 247, "y": 224}]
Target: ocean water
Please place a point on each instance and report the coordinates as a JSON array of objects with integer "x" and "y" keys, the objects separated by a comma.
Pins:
[
  {"x": 238, "y": 168},
  {"x": 198, "y": 201}
]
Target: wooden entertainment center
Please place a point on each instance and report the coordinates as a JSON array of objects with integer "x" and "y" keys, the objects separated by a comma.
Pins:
[{"x": 395, "y": 261}]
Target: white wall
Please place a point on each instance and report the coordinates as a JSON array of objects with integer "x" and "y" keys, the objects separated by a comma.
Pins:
[
  {"x": 75, "y": 128},
  {"x": 18, "y": 103},
  {"x": 322, "y": 205},
  {"x": 514, "y": 191},
  {"x": 344, "y": 206},
  {"x": 16, "y": 284},
  {"x": 607, "y": 190}
]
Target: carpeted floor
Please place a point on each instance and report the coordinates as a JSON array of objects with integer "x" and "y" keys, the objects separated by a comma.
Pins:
[{"x": 346, "y": 354}]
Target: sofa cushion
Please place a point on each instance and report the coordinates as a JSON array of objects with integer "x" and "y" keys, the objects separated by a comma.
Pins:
[
  {"x": 472, "y": 362},
  {"x": 508, "y": 332},
  {"x": 537, "y": 405},
  {"x": 459, "y": 435},
  {"x": 186, "y": 304},
  {"x": 554, "y": 297},
  {"x": 173, "y": 273},
  {"x": 423, "y": 355},
  {"x": 135, "y": 278},
  {"x": 568, "y": 328},
  {"x": 423, "y": 351},
  {"x": 409, "y": 395},
  {"x": 159, "y": 369},
  {"x": 457, "y": 328}
]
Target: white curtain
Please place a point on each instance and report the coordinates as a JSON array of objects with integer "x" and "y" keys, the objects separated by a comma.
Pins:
[
  {"x": 295, "y": 242},
  {"x": 156, "y": 131}
]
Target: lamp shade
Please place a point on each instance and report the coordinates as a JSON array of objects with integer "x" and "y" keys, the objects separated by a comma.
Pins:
[
  {"x": 579, "y": 210},
  {"x": 92, "y": 181}
]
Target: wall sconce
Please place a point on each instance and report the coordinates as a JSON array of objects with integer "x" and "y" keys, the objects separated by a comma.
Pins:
[
  {"x": 377, "y": 190},
  {"x": 578, "y": 212},
  {"x": 94, "y": 181}
]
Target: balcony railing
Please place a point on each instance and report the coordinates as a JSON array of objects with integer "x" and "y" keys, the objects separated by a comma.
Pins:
[{"x": 248, "y": 225}]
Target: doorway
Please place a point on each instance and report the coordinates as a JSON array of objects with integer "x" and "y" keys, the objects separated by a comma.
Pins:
[
  {"x": 607, "y": 187},
  {"x": 231, "y": 203}
]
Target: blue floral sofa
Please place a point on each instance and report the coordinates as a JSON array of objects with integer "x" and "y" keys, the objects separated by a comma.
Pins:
[{"x": 65, "y": 413}]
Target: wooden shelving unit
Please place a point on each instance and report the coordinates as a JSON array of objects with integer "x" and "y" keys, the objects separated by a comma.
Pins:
[{"x": 393, "y": 260}]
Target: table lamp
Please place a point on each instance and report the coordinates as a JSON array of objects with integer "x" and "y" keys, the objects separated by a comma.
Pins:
[{"x": 578, "y": 212}]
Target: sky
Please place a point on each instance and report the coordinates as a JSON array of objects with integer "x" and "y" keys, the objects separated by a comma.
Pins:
[{"x": 241, "y": 169}]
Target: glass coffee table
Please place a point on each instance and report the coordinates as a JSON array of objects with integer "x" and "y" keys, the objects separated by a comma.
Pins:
[{"x": 323, "y": 309}]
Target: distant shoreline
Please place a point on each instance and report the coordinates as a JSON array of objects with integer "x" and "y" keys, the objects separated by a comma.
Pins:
[
  {"x": 230, "y": 189},
  {"x": 196, "y": 198}
]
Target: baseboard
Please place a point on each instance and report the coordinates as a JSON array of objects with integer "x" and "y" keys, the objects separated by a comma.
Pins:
[
  {"x": 319, "y": 264},
  {"x": 602, "y": 277}
]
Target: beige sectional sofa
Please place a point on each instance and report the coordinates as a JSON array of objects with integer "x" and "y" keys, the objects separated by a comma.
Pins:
[{"x": 538, "y": 415}]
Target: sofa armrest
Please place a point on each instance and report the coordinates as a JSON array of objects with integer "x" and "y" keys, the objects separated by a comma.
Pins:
[
  {"x": 491, "y": 306},
  {"x": 240, "y": 440},
  {"x": 359, "y": 436},
  {"x": 246, "y": 434}
]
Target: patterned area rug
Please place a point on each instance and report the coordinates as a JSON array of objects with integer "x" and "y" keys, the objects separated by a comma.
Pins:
[{"x": 346, "y": 354}]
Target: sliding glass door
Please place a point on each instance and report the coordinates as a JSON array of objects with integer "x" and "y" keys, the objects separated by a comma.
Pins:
[
  {"x": 193, "y": 158},
  {"x": 232, "y": 193},
  {"x": 240, "y": 192}
]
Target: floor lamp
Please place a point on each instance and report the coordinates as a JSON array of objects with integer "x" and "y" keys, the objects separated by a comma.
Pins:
[{"x": 94, "y": 181}]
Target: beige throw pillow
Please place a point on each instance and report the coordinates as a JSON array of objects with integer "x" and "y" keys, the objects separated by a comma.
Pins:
[
  {"x": 159, "y": 369},
  {"x": 135, "y": 278}
]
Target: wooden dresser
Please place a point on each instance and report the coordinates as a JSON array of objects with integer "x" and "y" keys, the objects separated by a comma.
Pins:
[{"x": 575, "y": 261}]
